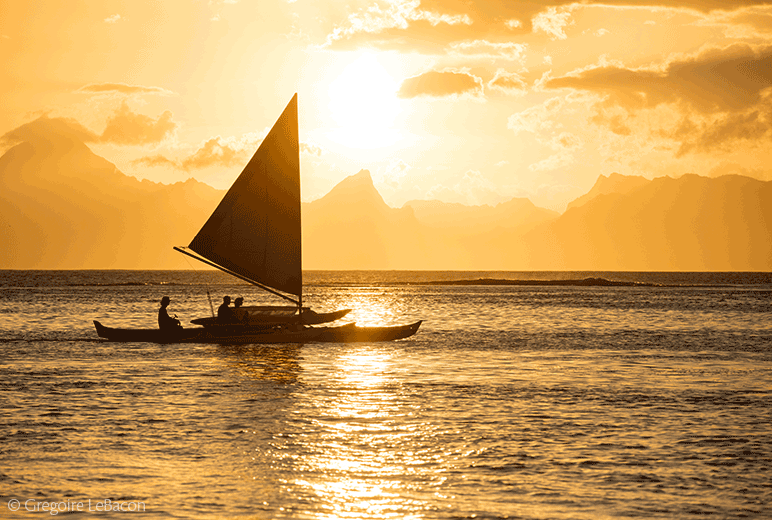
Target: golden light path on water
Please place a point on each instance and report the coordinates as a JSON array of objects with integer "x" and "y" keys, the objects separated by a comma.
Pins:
[
  {"x": 371, "y": 307},
  {"x": 366, "y": 446},
  {"x": 357, "y": 449}
]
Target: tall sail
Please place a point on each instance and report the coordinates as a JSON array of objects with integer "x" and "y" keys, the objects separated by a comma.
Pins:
[{"x": 255, "y": 231}]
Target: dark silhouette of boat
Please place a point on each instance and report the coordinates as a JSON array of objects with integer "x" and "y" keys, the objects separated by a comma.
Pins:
[
  {"x": 341, "y": 334},
  {"x": 268, "y": 316},
  {"x": 254, "y": 234}
]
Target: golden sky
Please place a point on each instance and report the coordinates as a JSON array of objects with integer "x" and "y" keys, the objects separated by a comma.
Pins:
[{"x": 471, "y": 101}]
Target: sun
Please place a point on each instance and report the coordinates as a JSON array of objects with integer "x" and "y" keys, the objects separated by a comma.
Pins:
[{"x": 364, "y": 105}]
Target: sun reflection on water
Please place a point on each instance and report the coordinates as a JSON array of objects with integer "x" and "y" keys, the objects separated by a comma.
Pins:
[
  {"x": 361, "y": 445},
  {"x": 372, "y": 307}
]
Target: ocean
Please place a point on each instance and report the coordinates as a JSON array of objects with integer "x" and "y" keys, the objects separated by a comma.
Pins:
[{"x": 650, "y": 399}]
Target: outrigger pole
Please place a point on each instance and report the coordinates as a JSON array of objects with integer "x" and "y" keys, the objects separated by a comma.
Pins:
[{"x": 186, "y": 251}]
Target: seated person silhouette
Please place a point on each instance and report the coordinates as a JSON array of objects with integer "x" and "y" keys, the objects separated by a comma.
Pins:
[
  {"x": 239, "y": 314},
  {"x": 166, "y": 322},
  {"x": 225, "y": 312}
]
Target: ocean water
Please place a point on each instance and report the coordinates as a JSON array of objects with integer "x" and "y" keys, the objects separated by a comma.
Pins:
[{"x": 528, "y": 401}]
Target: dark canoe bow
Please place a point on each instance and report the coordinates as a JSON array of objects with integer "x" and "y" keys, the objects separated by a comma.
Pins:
[
  {"x": 147, "y": 335},
  {"x": 351, "y": 333},
  {"x": 310, "y": 317}
]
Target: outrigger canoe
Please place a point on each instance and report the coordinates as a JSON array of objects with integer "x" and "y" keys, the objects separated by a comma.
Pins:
[
  {"x": 230, "y": 335},
  {"x": 254, "y": 234}
]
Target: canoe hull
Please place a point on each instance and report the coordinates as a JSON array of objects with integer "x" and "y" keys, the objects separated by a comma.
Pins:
[
  {"x": 315, "y": 318},
  {"x": 344, "y": 334},
  {"x": 147, "y": 335},
  {"x": 264, "y": 320},
  {"x": 353, "y": 334}
]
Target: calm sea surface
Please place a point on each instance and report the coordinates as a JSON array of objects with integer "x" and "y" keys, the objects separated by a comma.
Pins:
[{"x": 538, "y": 402}]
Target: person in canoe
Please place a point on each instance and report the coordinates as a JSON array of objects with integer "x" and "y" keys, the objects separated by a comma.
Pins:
[
  {"x": 239, "y": 314},
  {"x": 166, "y": 322},
  {"x": 225, "y": 311}
]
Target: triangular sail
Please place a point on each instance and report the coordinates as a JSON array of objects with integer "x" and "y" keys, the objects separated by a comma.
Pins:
[{"x": 255, "y": 231}]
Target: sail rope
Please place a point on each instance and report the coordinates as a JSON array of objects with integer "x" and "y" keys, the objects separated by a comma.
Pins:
[{"x": 208, "y": 295}]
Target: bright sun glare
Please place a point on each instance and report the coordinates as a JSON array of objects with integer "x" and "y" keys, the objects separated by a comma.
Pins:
[{"x": 364, "y": 104}]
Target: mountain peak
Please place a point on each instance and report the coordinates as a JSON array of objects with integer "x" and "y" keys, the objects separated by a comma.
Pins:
[
  {"x": 356, "y": 189},
  {"x": 614, "y": 183},
  {"x": 58, "y": 133},
  {"x": 362, "y": 179}
]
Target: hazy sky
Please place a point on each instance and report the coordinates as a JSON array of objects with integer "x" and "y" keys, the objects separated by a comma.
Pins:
[{"x": 472, "y": 101}]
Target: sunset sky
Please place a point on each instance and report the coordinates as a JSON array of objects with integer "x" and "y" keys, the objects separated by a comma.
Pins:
[{"x": 471, "y": 101}]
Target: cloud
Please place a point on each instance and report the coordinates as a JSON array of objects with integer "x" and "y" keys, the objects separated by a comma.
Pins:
[
  {"x": 124, "y": 127},
  {"x": 718, "y": 96},
  {"x": 431, "y": 26},
  {"x": 122, "y": 88},
  {"x": 537, "y": 118},
  {"x": 397, "y": 14},
  {"x": 311, "y": 149},
  {"x": 113, "y": 19},
  {"x": 216, "y": 152},
  {"x": 544, "y": 122},
  {"x": 394, "y": 172},
  {"x": 483, "y": 49},
  {"x": 562, "y": 159},
  {"x": 441, "y": 84},
  {"x": 566, "y": 141},
  {"x": 750, "y": 22},
  {"x": 130, "y": 128},
  {"x": 614, "y": 119},
  {"x": 726, "y": 79},
  {"x": 421, "y": 25},
  {"x": 508, "y": 82},
  {"x": 153, "y": 161},
  {"x": 753, "y": 126},
  {"x": 219, "y": 151},
  {"x": 552, "y": 22}
]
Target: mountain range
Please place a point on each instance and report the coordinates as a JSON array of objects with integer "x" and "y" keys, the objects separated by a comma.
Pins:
[{"x": 64, "y": 207}]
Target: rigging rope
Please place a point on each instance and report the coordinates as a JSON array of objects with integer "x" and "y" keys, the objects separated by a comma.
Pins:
[{"x": 209, "y": 296}]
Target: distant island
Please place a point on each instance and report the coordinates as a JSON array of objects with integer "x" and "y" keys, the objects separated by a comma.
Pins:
[{"x": 585, "y": 282}]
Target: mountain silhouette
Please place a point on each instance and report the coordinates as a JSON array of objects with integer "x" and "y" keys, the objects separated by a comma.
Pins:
[
  {"x": 484, "y": 237},
  {"x": 353, "y": 228},
  {"x": 614, "y": 183},
  {"x": 64, "y": 207},
  {"x": 516, "y": 214},
  {"x": 691, "y": 223}
]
